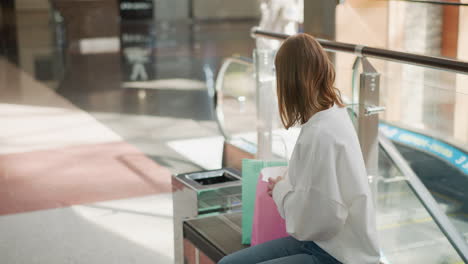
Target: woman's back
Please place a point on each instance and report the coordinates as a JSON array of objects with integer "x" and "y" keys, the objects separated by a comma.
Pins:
[{"x": 328, "y": 169}]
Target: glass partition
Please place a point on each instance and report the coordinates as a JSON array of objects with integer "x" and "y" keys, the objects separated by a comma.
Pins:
[
  {"x": 407, "y": 232},
  {"x": 426, "y": 118}
]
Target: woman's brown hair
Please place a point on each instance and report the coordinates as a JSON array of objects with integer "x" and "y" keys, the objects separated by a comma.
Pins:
[{"x": 304, "y": 80}]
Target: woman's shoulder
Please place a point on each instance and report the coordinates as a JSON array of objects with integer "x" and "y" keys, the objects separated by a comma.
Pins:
[
  {"x": 338, "y": 131},
  {"x": 318, "y": 136}
]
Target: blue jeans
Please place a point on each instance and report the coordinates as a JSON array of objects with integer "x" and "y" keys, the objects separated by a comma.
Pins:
[{"x": 286, "y": 250}]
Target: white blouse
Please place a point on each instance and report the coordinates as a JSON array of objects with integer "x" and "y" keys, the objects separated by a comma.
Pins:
[{"x": 325, "y": 196}]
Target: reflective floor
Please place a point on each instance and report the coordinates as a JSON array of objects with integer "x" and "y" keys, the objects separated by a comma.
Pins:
[{"x": 85, "y": 159}]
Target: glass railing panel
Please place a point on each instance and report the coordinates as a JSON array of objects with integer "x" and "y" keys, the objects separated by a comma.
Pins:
[
  {"x": 421, "y": 118},
  {"x": 407, "y": 230},
  {"x": 426, "y": 117},
  {"x": 344, "y": 73},
  {"x": 425, "y": 99},
  {"x": 408, "y": 234}
]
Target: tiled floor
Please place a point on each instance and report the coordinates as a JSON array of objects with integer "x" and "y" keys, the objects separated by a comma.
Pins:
[{"x": 134, "y": 230}]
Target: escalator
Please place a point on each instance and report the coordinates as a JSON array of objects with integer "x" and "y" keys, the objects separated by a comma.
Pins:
[
  {"x": 407, "y": 229},
  {"x": 445, "y": 182}
]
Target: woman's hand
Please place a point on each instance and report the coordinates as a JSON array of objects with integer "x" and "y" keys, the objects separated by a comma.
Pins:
[{"x": 272, "y": 183}]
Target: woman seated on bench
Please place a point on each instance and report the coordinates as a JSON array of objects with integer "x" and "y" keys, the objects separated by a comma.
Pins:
[{"x": 324, "y": 198}]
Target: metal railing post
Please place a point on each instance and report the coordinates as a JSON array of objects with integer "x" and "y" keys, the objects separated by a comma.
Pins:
[{"x": 368, "y": 120}]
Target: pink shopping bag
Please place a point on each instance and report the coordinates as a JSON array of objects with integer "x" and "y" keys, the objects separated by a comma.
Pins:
[{"x": 267, "y": 223}]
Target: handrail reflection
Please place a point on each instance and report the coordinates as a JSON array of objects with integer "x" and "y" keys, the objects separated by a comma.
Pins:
[{"x": 218, "y": 86}]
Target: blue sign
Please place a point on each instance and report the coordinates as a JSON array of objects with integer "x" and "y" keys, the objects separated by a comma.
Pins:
[{"x": 452, "y": 155}]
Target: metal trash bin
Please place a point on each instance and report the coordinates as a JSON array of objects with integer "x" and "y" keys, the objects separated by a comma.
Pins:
[{"x": 203, "y": 193}]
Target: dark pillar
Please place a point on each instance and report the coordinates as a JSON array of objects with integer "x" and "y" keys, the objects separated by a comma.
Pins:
[
  {"x": 8, "y": 35},
  {"x": 319, "y": 18}
]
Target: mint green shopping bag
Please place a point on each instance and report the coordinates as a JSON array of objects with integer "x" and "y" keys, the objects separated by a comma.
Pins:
[{"x": 250, "y": 172}]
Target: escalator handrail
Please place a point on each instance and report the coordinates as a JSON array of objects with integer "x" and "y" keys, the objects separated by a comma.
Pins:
[
  {"x": 385, "y": 54},
  {"x": 219, "y": 116},
  {"x": 440, "y": 218}
]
